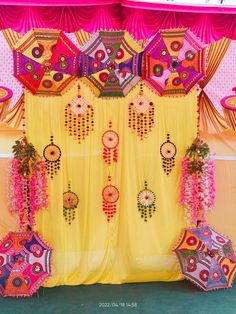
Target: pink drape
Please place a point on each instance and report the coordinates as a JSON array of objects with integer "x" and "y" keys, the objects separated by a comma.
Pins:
[{"x": 117, "y": 14}]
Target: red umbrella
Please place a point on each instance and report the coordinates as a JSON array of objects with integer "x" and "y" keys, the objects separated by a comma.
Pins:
[{"x": 46, "y": 61}]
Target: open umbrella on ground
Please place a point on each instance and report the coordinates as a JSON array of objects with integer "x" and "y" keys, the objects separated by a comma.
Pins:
[
  {"x": 46, "y": 61},
  {"x": 111, "y": 63},
  {"x": 25, "y": 263},
  {"x": 173, "y": 62},
  {"x": 206, "y": 258}
]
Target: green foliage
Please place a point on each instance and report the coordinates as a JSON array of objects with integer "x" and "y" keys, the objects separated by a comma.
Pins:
[
  {"x": 25, "y": 153},
  {"x": 196, "y": 153}
]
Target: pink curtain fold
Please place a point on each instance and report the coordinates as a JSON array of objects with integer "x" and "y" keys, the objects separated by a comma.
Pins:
[{"x": 141, "y": 23}]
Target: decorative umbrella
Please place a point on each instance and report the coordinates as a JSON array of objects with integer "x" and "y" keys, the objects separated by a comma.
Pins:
[
  {"x": 173, "y": 62},
  {"x": 45, "y": 61},
  {"x": 229, "y": 107},
  {"x": 25, "y": 263},
  {"x": 206, "y": 258},
  {"x": 111, "y": 63},
  {"x": 5, "y": 98}
]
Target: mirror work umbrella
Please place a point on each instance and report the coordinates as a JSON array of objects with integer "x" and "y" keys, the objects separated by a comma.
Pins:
[
  {"x": 46, "y": 61},
  {"x": 173, "y": 62},
  {"x": 25, "y": 263},
  {"x": 206, "y": 258},
  {"x": 111, "y": 63}
]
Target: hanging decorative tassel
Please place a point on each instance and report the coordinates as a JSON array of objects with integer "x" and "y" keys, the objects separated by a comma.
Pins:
[
  {"x": 146, "y": 202},
  {"x": 52, "y": 155},
  {"x": 141, "y": 115},
  {"x": 110, "y": 141},
  {"x": 168, "y": 151},
  {"x": 70, "y": 203},
  {"x": 79, "y": 118},
  {"x": 110, "y": 196}
]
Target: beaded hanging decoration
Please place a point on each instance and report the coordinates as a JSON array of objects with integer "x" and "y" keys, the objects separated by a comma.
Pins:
[
  {"x": 168, "y": 152},
  {"x": 110, "y": 141},
  {"x": 79, "y": 118},
  {"x": 70, "y": 203},
  {"x": 146, "y": 202},
  {"x": 110, "y": 196},
  {"x": 52, "y": 155},
  {"x": 141, "y": 115}
]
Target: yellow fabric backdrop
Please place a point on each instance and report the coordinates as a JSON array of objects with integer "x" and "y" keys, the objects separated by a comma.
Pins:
[{"x": 127, "y": 249}]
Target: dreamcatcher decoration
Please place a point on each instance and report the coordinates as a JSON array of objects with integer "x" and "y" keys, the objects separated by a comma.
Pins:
[
  {"x": 141, "y": 115},
  {"x": 79, "y": 117},
  {"x": 70, "y": 203},
  {"x": 146, "y": 202},
  {"x": 52, "y": 155},
  {"x": 168, "y": 152},
  {"x": 110, "y": 141},
  {"x": 110, "y": 197}
]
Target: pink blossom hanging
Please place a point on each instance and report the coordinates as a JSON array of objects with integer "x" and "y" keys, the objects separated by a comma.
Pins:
[
  {"x": 197, "y": 186},
  {"x": 27, "y": 183}
]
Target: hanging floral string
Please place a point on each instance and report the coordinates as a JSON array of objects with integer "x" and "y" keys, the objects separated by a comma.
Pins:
[
  {"x": 27, "y": 183},
  {"x": 197, "y": 186}
]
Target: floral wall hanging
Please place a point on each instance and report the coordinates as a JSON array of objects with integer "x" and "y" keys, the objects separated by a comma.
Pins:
[
  {"x": 79, "y": 117},
  {"x": 27, "y": 183},
  {"x": 197, "y": 186},
  {"x": 146, "y": 202}
]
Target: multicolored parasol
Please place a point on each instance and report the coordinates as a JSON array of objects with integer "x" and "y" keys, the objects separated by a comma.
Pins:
[
  {"x": 111, "y": 63},
  {"x": 5, "y": 98},
  {"x": 173, "y": 62},
  {"x": 25, "y": 263},
  {"x": 206, "y": 258},
  {"x": 46, "y": 61},
  {"x": 229, "y": 108}
]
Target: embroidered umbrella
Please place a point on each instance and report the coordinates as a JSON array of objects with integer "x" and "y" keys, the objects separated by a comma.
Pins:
[
  {"x": 25, "y": 263},
  {"x": 173, "y": 62},
  {"x": 45, "y": 61},
  {"x": 111, "y": 63},
  {"x": 206, "y": 258}
]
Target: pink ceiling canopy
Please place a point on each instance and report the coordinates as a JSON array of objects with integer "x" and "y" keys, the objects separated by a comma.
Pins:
[{"x": 141, "y": 19}]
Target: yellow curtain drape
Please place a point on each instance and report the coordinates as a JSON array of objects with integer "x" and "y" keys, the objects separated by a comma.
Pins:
[
  {"x": 211, "y": 120},
  {"x": 127, "y": 249}
]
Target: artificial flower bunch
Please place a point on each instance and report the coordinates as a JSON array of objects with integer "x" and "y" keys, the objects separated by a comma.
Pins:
[
  {"x": 27, "y": 183},
  {"x": 197, "y": 186}
]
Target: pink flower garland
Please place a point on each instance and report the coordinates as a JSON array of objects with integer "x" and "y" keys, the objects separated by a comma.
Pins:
[
  {"x": 27, "y": 195},
  {"x": 197, "y": 190}
]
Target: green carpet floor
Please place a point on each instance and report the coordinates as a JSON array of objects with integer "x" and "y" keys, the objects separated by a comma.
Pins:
[{"x": 140, "y": 298}]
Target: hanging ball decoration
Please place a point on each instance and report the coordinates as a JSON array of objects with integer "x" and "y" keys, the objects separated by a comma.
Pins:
[
  {"x": 70, "y": 203},
  {"x": 168, "y": 152},
  {"x": 146, "y": 202},
  {"x": 52, "y": 155}
]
